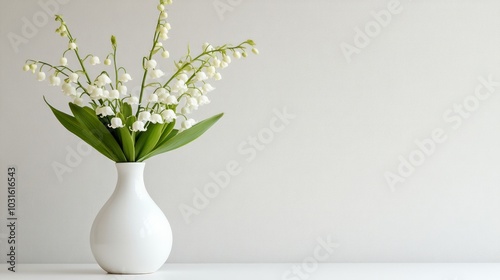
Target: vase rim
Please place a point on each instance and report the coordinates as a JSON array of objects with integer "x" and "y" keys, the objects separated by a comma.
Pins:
[{"x": 130, "y": 163}]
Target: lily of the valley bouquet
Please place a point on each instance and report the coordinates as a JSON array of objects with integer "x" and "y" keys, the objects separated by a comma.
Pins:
[{"x": 125, "y": 127}]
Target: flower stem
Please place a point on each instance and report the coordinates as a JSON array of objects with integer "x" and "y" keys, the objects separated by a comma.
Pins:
[
  {"x": 155, "y": 40},
  {"x": 70, "y": 37},
  {"x": 116, "y": 69}
]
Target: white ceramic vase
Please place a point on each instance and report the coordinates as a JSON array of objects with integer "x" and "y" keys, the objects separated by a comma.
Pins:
[{"x": 130, "y": 234}]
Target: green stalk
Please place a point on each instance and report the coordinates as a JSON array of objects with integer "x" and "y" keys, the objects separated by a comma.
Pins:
[
  {"x": 116, "y": 69},
  {"x": 200, "y": 55},
  {"x": 155, "y": 40},
  {"x": 78, "y": 55}
]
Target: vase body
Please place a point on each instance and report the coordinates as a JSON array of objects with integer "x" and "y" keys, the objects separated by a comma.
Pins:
[{"x": 130, "y": 234}]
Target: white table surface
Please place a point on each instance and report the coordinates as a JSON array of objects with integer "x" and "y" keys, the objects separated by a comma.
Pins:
[{"x": 343, "y": 271}]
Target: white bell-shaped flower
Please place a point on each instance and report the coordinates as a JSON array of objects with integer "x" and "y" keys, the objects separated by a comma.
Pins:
[
  {"x": 78, "y": 101},
  {"x": 168, "y": 115},
  {"x": 125, "y": 77},
  {"x": 161, "y": 91},
  {"x": 97, "y": 93},
  {"x": 201, "y": 76},
  {"x": 162, "y": 97},
  {"x": 151, "y": 64},
  {"x": 63, "y": 61},
  {"x": 182, "y": 77},
  {"x": 40, "y": 76},
  {"x": 122, "y": 89},
  {"x": 171, "y": 100},
  {"x": 187, "y": 124},
  {"x": 54, "y": 80},
  {"x": 94, "y": 60},
  {"x": 207, "y": 88},
  {"x": 116, "y": 123},
  {"x": 138, "y": 126},
  {"x": 68, "y": 89},
  {"x": 105, "y": 94},
  {"x": 217, "y": 76},
  {"x": 216, "y": 63},
  {"x": 163, "y": 36},
  {"x": 163, "y": 29},
  {"x": 73, "y": 77},
  {"x": 144, "y": 116},
  {"x": 132, "y": 100},
  {"x": 207, "y": 47},
  {"x": 104, "y": 111},
  {"x": 155, "y": 74},
  {"x": 104, "y": 79},
  {"x": 191, "y": 101},
  {"x": 210, "y": 71},
  {"x": 153, "y": 98},
  {"x": 156, "y": 118},
  {"x": 179, "y": 86},
  {"x": 90, "y": 89},
  {"x": 185, "y": 110},
  {"x": 114, "y": 94},
  {"x": 203, "y": 100},
  {"x": 193, "y": 92}
]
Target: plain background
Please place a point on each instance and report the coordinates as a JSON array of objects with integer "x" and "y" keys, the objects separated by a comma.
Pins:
[{"x": 321, "y": 175}]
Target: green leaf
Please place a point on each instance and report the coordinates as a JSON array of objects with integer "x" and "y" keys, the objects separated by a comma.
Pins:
[
  {"x": 72, "y": 125},
  {"x": 88, "y": 119},
  {"x": 130, "y": 121},
  {"x": 148, "y": 139},
  {"x": 126, "y": 110},
  {"x": 167, "y": 129},
  {"x": 127, "y": 143},
  {"x": 184, "y": 137},
  {"x": 126, "y": 139}
]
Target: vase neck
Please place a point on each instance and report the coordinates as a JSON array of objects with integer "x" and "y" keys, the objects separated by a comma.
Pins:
[{"x": 130, "y": 177}]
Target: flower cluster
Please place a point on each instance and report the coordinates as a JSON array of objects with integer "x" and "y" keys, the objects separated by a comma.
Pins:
[
  {"x": 184, "y": 92},
  {"x": 161, "y": 100}
]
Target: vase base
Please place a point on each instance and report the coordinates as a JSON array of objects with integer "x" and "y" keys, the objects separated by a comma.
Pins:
[{"x": 130, "y": 273}]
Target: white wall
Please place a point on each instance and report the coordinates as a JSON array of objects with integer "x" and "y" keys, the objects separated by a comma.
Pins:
[{"x": 322, "y": 174}]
